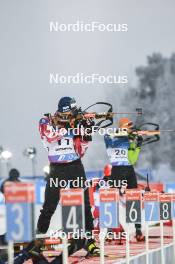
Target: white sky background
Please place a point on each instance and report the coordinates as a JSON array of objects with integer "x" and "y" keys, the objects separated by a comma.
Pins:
[{"x": 28, "y": 53}]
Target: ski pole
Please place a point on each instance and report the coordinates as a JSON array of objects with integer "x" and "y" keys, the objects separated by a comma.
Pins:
[
  {"x": 65, "y": 250},
  {"x": 102, "y": 251},
  {"x": 10, "y": 252}
]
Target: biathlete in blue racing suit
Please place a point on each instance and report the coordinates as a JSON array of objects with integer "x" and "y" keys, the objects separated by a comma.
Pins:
[{"x": 123, "y": 152}]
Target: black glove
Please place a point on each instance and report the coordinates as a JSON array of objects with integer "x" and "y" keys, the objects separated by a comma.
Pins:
[
  {"x": 139, "y": 141},
  {"x": 132, "y": 136},
  {"x": 76, "y": 111},
  {"x": 87, "y": 125}
]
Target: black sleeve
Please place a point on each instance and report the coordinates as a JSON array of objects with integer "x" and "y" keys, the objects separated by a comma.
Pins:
[{"x": 2, "y": 187}]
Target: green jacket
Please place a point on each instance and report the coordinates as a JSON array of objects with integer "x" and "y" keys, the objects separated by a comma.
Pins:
[{"x": 133, "y": 153}]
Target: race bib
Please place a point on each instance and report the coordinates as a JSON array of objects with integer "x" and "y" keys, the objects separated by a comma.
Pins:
[
  {"x": 118, "y": 156},
  {"x": 62, "y": 151}
]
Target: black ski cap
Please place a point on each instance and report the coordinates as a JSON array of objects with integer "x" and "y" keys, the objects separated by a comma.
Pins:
[{"x": 66, "y": 104}]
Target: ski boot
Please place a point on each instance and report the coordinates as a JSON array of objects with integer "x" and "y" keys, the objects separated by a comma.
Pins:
[
  {"x": 139, "y": 236},
  {"x": 92, "y": 249}
]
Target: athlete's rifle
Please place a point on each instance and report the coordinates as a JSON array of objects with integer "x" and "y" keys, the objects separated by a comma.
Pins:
[
  {"x": 101, "y": 120},
  {"x": 149, "y": 135}
]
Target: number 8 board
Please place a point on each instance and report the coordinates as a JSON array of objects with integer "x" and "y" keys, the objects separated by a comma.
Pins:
[{"x": 165, "y": 206}]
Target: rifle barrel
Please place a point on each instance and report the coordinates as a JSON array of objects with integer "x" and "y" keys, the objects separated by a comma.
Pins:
[
  {"x": 142, "y": 132},
  {"x": 167, "y": 130},
  {"x": 125, "y": 113}
]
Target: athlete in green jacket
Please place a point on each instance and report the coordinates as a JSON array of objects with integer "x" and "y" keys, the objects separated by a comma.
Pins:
[{"x": 123, "y": 150}]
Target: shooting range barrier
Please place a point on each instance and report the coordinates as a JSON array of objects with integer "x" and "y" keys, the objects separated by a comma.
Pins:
[{"x": 152, "y": 209}]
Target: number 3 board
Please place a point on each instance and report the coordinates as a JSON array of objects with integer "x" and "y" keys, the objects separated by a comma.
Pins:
[{"x": 20, "y": 219}]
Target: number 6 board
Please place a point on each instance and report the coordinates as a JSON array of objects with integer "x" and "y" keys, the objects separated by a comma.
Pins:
[
  {"x": 109, "y": 208},
  {"x": 72, "y": 210},
  {"x": 133, "y": 206},
  {"x": 19, "y": 214},
  {"x": 165, "y": 206},
  {"x": 151, "y": 205}
]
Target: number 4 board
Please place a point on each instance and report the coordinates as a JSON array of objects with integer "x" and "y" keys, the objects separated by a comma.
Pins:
[{"x": 72, "y": 210}]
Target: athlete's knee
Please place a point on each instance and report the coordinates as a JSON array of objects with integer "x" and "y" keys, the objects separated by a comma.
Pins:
[{"x": 49, "y": 210}]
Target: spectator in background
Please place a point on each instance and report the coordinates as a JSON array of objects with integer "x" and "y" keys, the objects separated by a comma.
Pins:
[{"x": 13, "y": 177}]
